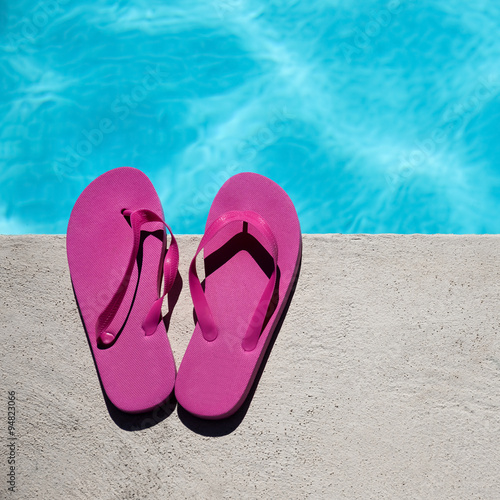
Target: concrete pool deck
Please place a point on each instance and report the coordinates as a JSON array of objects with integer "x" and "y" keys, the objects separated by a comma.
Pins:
[{"x": 384, "y": 382}]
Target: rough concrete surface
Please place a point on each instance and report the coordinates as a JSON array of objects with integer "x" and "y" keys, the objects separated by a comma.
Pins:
[{"x": 384, "y": 382}]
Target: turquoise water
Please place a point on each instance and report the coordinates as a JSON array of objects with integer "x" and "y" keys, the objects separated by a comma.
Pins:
[{"x": 375, "y": 116}]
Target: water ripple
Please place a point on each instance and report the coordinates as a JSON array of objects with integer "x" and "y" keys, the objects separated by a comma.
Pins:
[{"x": 380, "y": 116}]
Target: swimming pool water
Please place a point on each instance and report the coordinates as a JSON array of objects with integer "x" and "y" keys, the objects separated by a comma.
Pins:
[{"x": 374, "y": 116}]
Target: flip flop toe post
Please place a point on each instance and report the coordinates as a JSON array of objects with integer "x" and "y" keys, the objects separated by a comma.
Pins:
[
  {"x": 252, "y": 250},
  {"x": 116, "y": 247}
]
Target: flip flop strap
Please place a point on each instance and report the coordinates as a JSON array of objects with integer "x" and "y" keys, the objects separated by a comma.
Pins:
[
  {"x": 170, "y": 265},
  {"x": 201, "y": 307}
]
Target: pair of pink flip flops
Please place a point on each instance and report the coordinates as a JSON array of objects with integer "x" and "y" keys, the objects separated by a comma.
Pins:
[{"x": 117, "y": 255}]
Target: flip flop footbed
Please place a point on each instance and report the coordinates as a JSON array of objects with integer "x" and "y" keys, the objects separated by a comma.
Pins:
[
  {"x": 137, "y": 371},
  {"x": 215, "y": 377}
]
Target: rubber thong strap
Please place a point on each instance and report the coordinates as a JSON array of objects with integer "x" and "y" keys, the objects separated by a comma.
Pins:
[
  {"x": 170, "y": 266},
  {"x": 201, "y": 307}
]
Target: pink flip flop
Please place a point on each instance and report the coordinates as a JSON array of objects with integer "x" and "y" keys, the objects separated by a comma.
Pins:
[
  {"x": 252, "y": 247},
  {"x": 116, "y": 253}
]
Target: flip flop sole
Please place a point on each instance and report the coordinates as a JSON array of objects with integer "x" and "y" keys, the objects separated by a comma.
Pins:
[
  {"x": 215, "y": 377},
  {"x": 137, "y": 372}
]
